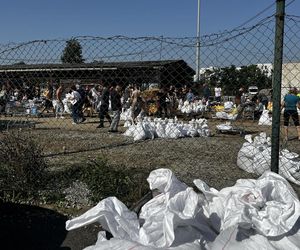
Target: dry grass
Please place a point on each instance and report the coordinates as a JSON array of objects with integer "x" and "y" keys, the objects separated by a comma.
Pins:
[{"x": 212, "y": 159}]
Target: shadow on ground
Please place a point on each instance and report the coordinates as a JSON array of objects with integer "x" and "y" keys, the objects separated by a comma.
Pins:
[{"x": 36, "y": 228}]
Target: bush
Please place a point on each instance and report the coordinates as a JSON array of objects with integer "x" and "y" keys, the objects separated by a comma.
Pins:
[
  {"x": 103, "y": 180},
  {"x": 22, "y": 167}
]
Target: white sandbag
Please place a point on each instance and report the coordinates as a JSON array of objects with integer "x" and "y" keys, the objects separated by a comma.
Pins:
[
  {"x": 262, "y": 160},
  {"x": 130, "y": 131},
  {"x": 255, "y": 157},
  {"x": 192, "y": 131},
  {"x": 165, "y": 181},
  {"x": 113, "y": 216},
  {"x": 262, "y": 139},
  {"x": 228, "y": 105},
  {"x": 126, "y": 115},
  {"x": 225, "y": 126},
  {"x": 172, "y": 131},
  {"x": 149, "y": 130},
  {"x": 127, "y": 124},
  {"x": 203, "y": 130},
  {"x": 160, "y": 129},
  {"x": 268, "y": 205},
  {"x": 139, "y": 132},
  {"x": 236, "y": 238},
  {"x": 221, "y": 115},
  {"x": 121, "y": 244},
  {"x": 179, "y": 220},
  {"x": 245, "y": 157},
  {"x": 290, "y": 166},
  {"x": 265, "y": 119},
  {"x": 232, "y": 117},
  {"x": 183, "y": 128},
  {"x": 186, "y": 108},
  {"x": 252, "y": 214}
]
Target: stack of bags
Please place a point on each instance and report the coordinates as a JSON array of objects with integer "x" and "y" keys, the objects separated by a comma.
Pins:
[
  {"x": 252, "y": 214},
  {"x": 255, "y": 157},
  {"x": 193, "y": 107},
  {"x": 146, "y": 128}
]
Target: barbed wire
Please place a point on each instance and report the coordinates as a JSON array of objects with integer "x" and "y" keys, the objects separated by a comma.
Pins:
[{"x": 205, "y": 40}]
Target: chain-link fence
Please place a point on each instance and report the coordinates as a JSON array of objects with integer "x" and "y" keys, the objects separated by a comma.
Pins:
[{"x": 140, "y": 102}]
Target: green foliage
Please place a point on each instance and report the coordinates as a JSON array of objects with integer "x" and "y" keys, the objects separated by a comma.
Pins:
[
  {"x": 72, "y": 52},
  {"x": 24, "y": 176},
  {"x": 103, "y": 180},
  {"x": 22, "y": 167},
  {"x": 232, "y": 79}
]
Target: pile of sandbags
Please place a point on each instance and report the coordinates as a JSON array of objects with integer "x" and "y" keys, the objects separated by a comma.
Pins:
[
  {"x": 146, "y": 128},
  {"x": 226, "y": 116},
  {"x": 194, "y": 107},
  {"x": 255, "y": 157},
  {"x": 252, "y": 214}
]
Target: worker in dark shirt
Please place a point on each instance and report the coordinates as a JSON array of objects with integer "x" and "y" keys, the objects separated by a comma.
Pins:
[{"x": 103, "y": 110}]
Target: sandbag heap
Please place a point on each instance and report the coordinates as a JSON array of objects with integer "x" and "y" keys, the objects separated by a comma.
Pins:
[
  {"x": 255, "y": 157},
  {"x": 252, "y": 214},
  {"x": 193, "y": 107},
  {"x": 146, "y": 128}
]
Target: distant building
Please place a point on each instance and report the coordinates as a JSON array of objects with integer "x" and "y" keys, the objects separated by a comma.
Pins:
[
  {"x": 290, "y": 77},
  {"x": 163, "y": 73}
]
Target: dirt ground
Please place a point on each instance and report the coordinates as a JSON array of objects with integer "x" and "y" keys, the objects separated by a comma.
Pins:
[{"x": 212, "y": 159}]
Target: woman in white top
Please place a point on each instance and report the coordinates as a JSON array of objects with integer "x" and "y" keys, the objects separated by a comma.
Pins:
[{"x": 218, "y": 93}]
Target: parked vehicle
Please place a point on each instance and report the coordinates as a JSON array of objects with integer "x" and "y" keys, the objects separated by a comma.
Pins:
[{"x": 253, "y": 90}]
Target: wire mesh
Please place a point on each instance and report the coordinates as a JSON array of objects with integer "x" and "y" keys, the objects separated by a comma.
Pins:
[{"x": 138, "y": 101}]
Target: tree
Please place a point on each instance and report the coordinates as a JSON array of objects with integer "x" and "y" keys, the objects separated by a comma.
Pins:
[
  {"x": 72, "y": 52},
  {"x": 232, "y": 78}
]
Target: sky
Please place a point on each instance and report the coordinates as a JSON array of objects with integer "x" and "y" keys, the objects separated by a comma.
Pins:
[{"x": 27, "y": 20}]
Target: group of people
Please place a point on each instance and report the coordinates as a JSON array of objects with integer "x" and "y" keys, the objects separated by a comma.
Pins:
[
  {"x": 254, "y": 103},
  {"x": 101, "y": 98},
  {"x": 15, "y": 93}
]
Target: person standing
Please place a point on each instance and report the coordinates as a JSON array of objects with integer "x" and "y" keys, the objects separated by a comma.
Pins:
[
  {"x": 59, "y": 107},
  {"x": 3, "y": 99},
  {"x": 263, "y": 99},
  {"x": 218, "y": 93},
  {"x": 75, "y": 101},
  {"x": 94, "y": 96},
  {"x": 82, "y": 93},
  {"x": 290, "y": 103},
  {"x": 259, "y": 108},
  {"x": 190, "y": 96},
  {"x": 116, "y": 107},
  {"x": 162, "y": 103},
  {"x": 48, "y": 95},
  {"x": 171, "y": 96},
  {"x": 136, "y": 102},
  {"x": 103, "y": 110},
  {"x": 206, "y": 92}
]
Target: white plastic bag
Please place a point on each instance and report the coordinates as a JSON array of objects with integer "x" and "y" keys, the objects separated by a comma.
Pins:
[
  {"x": 265, "y": 119},
  {"x": 252, "y": 214}
]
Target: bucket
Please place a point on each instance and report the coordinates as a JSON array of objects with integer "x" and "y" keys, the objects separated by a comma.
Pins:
[{"x": 33, "y": 110}]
